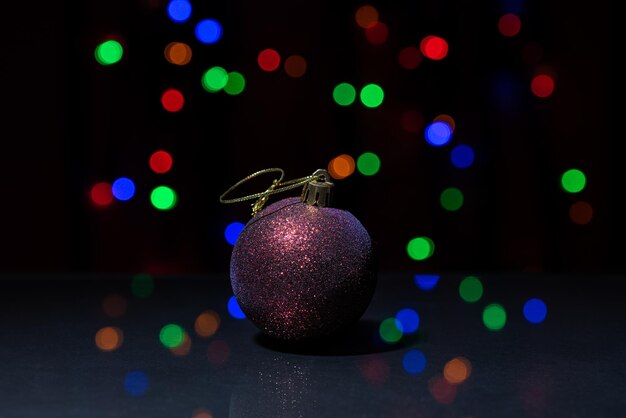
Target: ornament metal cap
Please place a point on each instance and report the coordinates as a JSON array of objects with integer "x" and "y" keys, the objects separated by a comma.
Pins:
[{"x": 319, "y": 191}]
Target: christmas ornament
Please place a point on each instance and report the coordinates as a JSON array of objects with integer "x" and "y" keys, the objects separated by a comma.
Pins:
[{"x": 301, "y": 269}]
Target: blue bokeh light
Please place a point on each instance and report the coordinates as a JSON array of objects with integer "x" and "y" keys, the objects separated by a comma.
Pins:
[
  {"x": 232, "y": 231},
  {"x": 123, "y": 188},
  {"x": 234, "y": 310},
  {"x": 136, "y": 383},
  {"x": 535, "y": 311},
  {"x": 414, "y": 361},
  {"x": 462, "y": 156},
  {"x": 438, "y": 133},
  {"x": 208, "y": 31},
  {"x": 179, "y": 10},
  {"x": 426, "y": 281},
  {"x": 409, "y": 319}
]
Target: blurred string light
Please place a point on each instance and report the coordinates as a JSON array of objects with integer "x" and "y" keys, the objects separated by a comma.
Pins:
[
  {"x": 412, "y": 121},
  {"x": 366, "y": 16},
  {"x": 142, "y": 285},
  {"x": 410, "y": 58},
  {"x": 295, "y": 66},
  {"x": 420, "y": 248},
  {"x": 207, "y": 323},
  {"x": 414, "y": 361},
  {"x": 163, "y": 198},
  {"x": 232, "y": 231},
  {"x": 172, "y": 100},
  {"x": 457, "y": 370},
  {"x": 542, "y": 86},
  {"x": 341, "y": 166},
  {"x": 178, "y": 53},
  {"x": 136, "y": 383},
  {"x": 372, "y": 95},
  {"x": 109, "y": 338},
  {"x": 109, "y": 52},
  {"x": 438, "y": 133},
  {"x": 214, "y": 79},
  {"x": 234, "y": 310},
  {"x": 409, "y": 319},
  {"x": 426, "y": 281},
  {"x": 471, "y": 289},
  {"x": 535, "y": 311},
  {"x": 494, "y": 317},
  {"x": 268, "y": 60},
  {"x": 114, "y": 305},
  {"x": 368, "y": 163},
  {"x": 377, "y": 33},
  {"x": 123, "y": 189},
  {"x": 101, "y": 194},
  {"x": 208, "y": 31},
  {"x": 451, "y": 199},
  {"x": 447, "y": 119},
  {"x": 344, "y": 94},
  {"x": 462, "y": 156},
  {"x": 218, "y": 352},
  {"x": 235, "y": 84},
  {"x": 171, "y": 335},
  {"x": 581, "y": 213},
  {"x": 390, "y": 330},
  {"x": 179, "y": 10},
  {"x": 509, "y": 25},
  {"x": 161, "y": 162},
  {"x": 573, "y": 180},
  {"x": 441, "y": 390},
  {"x": 434, "y": 47},
  {"x": 184, "y": 348}
]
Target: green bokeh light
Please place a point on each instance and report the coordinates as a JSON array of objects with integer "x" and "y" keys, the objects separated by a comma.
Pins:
[
  {"x": 368, "y": 164},
  {"x": 172, "y": 335},
  {"x": 214, "y": 79},
  {"x": 494, "y": 317},
  {"x": 372, "y": 95},
  {"x": 420, "y": 248},
  {"x": 390, "y": 330},
  {"x": 236, "y": 83},
  {"x": 163, "y": 198},
  {"x": 109, "y": 52},
  {"x": 573, "y": 180},
  {"x": 471, "y": 289},
  {"x": 451, "y": 199},
  {"x": 344, "y": 94},
  {"x": 142, "y": 285}
]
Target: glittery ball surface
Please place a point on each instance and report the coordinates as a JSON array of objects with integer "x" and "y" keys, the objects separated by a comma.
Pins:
[{"x": 302, "y": 272}]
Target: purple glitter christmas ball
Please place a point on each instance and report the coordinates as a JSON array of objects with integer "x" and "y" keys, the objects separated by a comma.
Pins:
[{"x": 301, "y": 272}]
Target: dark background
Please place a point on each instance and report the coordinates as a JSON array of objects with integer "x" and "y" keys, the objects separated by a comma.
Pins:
[{"x": 69, "y": 122}]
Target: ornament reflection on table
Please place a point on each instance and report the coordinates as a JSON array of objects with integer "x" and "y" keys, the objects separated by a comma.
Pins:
[{"x": 300, "y": 269}]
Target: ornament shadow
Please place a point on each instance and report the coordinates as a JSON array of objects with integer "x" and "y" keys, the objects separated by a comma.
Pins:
[{"x": 362, "y": 338}]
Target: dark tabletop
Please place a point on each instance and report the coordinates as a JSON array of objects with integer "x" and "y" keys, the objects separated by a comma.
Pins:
[{"x": 572, "y": 364}]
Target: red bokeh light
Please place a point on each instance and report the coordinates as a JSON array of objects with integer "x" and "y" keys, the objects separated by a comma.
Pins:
[
  {"x": 377, "y": 33},
  {"x": 101, "y": 194},
  {"x": 269, "y": 60},
  {"x": 434, "y": 47},
  {"x": 410, "y": 58},
  {"x": 542, "y": 85},
  {"x": 172, "y": 100},
  {"x": 161, "y": 162},
  {"x": 412, "y": 121},
  {"x": 509, "y": 25}
]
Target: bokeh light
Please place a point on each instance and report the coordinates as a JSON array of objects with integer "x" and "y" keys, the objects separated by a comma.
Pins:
[
  {"x": 441, "y": 390},
  {"x": 136, "y": 383},
  {"x": 179, "y": 10},
  {"x": 457, "y": 370},
  {"x": 451, "y": 199},
  {"x": 202, "y": 413},
  {"x": 161, "y": 162},
  {"x": 344, "y": 94},
  {"x": 420, "y": 248},
  {"x": 123, "y": 189},
  {"x": 414, "y": 361},
  {"x": 295, "y": 66},
  {"x": 268, "y": 60},
  {"x": 232, "y": 231},
  {"x": 178, "y": 53},
  {"x": 208, "y": 31},
  {"x": 207, "y": 323},
  {"x": 377, "y": 33},
  {"x": 535, "y": 311},
  {"x": 542, "y": 86},
  {"x": 494, "y": 317},
  {"x": 163, "y": 198},
  {"x": 101, "y": 194},
  {"x": 114, "y": 305},
  {"x": 462, "y": 156},
  {"x": 109, "y": 52},
  {"x": 341, "y": 166},
  {"x": 218, "y": 352},
  {"x": 172, "y": 100},
  {"x": 409, "y": 58},
  {"x": 426, "y": 281},
  {"x": 183, "y": 348},
  {"x": 234, "y": 310},
  {"x": 109, "y": 338},
  {"x": 471, "y": 289},
  {"x": 573, "y": 180},
  {"x": 412, "y": 121},
  {"x": 434, "y": 47},
  {"x": 142, "y": 285},
  {"x": 235, "y": 84},
  {"x": 372, "y": 95},
  {"x": 509, "y": 25},
  {"x": 374, "y": 369},
  {"x": 438, "y": 133},
  {"x": 447, "y": 119},
  {"x": 171, "y": 335},
  {"x": 368, "y": 163},
  {"x": 581, "y": 213},
  {"x": 409, "y": 319},
  {"x": 214, "y": 79},
  {"x": 390, "y": 330},
  {"x": 366, "y": 16}
]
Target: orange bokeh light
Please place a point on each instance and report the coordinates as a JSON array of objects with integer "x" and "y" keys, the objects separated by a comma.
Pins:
[
  {"x": 341, "y": 166},
  {"x": 207, "y": 323},
  {"x": 109, "y": 338},
  {"x": 581, "y": 213},
  {"x": 457, "y": 370},
  {"x": 178, "y": 53},
  {"x": 447, "y": 119},
  {"x": 184, "y": 348},
  {"x": 114, "y": 305},
  {"x": 295, "y": 66}
]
